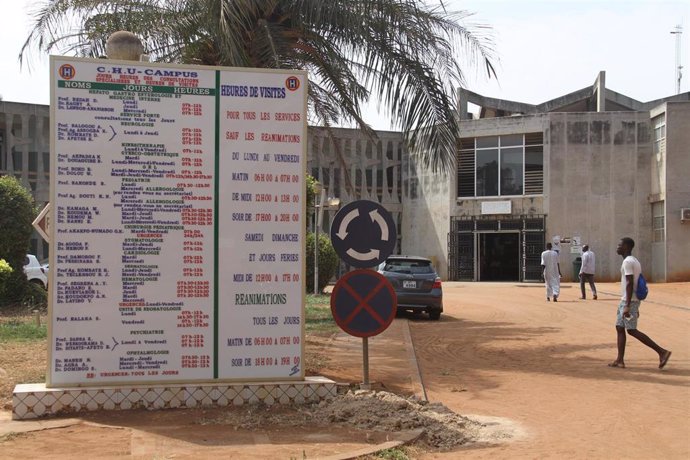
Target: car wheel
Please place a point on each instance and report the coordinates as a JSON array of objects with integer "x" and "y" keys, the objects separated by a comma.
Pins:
[
  {"x": 435, "y": 315},
  {"x": 38, "y": 282}
]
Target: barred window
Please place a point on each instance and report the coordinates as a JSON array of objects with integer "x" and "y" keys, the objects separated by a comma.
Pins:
[
  {"x": 511, "y": 165},
  {"x": 658, "y": 222}
]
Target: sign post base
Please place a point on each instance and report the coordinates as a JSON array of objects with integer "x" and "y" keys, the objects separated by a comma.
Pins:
[{"x": 34, "y": 400}]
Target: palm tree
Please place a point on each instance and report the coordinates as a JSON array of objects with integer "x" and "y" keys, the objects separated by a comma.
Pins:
[{"x": 403, "y": 51}]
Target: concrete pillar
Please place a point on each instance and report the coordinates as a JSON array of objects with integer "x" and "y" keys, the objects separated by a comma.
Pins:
[
  {"x": 600, "y": 89},
  {"x": 125, "y": 46}
]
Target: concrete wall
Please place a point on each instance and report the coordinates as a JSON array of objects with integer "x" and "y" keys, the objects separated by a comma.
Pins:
[
  {"x": 426, "y": 220},
  {"x": 599, "y": 181},
  {"x": 25, "y": 154},
  {"x": 353, "y": 167},
  {"x": 26, "y": 136},
  {"x": 677, "y": 190}
]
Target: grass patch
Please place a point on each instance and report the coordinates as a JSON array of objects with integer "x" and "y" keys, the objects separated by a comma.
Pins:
[
  {"x": 22, "y": 331},
  {"x": 396, "y": 453},
  {"x": 318, "y": 315},
  {"x": 8, "y": 436}
]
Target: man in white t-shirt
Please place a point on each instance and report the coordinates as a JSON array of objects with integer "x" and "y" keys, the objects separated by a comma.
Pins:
[
  {"x": 587, "y": 272},
  {"x": 552, "y": 273},
  {"x": 629, "y": 307}
]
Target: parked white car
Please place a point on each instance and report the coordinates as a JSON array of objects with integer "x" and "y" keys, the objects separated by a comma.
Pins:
[{"x": 35, "y": 272}]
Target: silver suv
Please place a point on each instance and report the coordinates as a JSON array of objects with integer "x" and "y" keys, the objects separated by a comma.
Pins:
[
  {"x": 35, "y": 271},
  {"x": 416, "y": 283}
]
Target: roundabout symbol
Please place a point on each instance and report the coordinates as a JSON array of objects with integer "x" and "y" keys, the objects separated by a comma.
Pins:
[{"x": 363, "y": 233}]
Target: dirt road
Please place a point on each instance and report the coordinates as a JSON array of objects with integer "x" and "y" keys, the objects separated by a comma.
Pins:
[{"x": 502, "y": 350}]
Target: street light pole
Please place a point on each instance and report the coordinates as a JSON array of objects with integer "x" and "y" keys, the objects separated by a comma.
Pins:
[
  {"x": 319, "y": 192},
  {"x": 316, "y": 251}
]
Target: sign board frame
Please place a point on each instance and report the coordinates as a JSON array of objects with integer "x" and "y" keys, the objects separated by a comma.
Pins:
[
  {"x": 143, "y": 116},
  {"x": 42, "y": 223}
]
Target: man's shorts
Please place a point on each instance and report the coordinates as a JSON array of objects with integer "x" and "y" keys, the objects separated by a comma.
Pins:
[{"x": 631, "y": 321}]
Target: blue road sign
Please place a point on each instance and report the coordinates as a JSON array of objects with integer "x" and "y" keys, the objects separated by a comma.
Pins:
[
  {"x": 363, "y": 303},
  {"x": 363, "y": 233}
]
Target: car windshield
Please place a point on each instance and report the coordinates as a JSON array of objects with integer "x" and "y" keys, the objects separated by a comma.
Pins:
[{"x": 408, "y": 266}]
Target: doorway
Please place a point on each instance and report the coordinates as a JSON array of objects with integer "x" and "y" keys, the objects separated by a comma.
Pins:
[{"x": 499, "y": 256}]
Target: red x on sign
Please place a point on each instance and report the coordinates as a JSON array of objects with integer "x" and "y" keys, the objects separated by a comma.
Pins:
[{"x": 363, "y": 303}]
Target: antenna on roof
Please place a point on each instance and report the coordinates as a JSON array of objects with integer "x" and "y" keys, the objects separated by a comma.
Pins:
[{"x": 678, "y": 31}]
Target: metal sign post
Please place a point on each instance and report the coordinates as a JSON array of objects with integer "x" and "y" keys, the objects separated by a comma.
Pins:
[
  {"x": 365, "y": 364},
  {"x": 363, "y": 302}
]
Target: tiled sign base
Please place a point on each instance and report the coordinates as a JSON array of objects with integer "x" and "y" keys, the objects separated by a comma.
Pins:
[{"x": 35, "y": 400}]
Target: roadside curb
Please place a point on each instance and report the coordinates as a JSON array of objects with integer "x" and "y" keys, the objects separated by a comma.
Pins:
[
  {"x": 415, "y": 375},
  {"x": 406, "y": 438}
]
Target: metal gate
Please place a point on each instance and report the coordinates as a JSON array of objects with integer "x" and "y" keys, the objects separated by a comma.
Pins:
[
  {"x": 533, "y": 241},
  {"x": 461, "y": 250},
  {"x": 462, "y": 257}
]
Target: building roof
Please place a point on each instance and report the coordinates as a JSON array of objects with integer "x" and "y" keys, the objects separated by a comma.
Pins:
[{"x": 594, "y": 98}]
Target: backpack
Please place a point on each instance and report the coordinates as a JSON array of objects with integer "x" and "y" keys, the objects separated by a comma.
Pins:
[{"x": 641, "y": 290}]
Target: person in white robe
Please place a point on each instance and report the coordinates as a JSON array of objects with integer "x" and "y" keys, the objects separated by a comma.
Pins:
[{"x": 552, "y": 273}]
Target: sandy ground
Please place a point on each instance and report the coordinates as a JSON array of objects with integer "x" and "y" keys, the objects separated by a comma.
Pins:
[
  {"x": 502, "y": 350},
  {"x": 533, "y": 374}
]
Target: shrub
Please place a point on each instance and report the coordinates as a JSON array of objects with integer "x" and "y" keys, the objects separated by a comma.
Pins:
[
  {"x": 328, "y": 261},
  {"x": 17, "y": 212},
  {"x": 5, "y": 278},
  {"x": 34, "y": 296}
]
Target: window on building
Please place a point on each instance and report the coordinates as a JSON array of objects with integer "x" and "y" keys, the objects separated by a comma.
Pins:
[
  {"x": 3, "y": 155},
  {"x": 46, "y": 162},
  {"x": 659, "y": 135},
  {"x": 511, "y": 165},
  {"x": 658, "y": 222},
  {"x": 33, "y": 162},
  {"x": 17, "y": 158}
]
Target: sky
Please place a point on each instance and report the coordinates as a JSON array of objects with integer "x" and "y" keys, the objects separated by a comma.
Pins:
[{"x": 544, "y": 49}]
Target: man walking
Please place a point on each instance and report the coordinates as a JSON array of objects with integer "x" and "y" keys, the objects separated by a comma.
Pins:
[
  {"x": 551, "y": 272},
  {"x": 587, "y": 272},
  {"x": 629, "y": 308}
]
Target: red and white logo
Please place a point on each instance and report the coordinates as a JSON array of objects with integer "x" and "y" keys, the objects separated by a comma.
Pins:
[
  {"x": 292, "y": 83},
  {"x": 67, "y": 71}
]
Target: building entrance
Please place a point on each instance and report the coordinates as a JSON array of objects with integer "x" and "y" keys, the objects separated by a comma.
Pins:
[
  {"x": 499, "y": 256},
  {"x": 495, "y": 248}
]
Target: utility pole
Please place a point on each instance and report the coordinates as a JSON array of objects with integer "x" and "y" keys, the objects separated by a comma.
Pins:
[{"x": 678, "y": 32}]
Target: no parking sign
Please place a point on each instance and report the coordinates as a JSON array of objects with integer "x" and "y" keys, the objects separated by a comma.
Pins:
[{"x": 363, "y": 303}]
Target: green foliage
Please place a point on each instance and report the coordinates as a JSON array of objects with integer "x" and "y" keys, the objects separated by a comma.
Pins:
[
  {"x": 396, "y": 453},
  {"x": 318, "y": 314},
  {"x": 5, "y": 277},
  {"x": 4, "y": 267},
  {"x": 34, "y": 296},
  {"x": 310, "y": 193},
  {"x": 328, "y": 261},
  {"x": 409, "y": 53},
  {"x": 17, "y": 212},
  {"x": 22, "y": 331}
]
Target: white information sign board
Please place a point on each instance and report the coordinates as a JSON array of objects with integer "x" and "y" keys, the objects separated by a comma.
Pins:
[
  {"x": 177, "y": 249},
  {"x": 496, "y": 207}
]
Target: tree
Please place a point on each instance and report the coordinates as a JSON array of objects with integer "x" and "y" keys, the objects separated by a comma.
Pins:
[
  {"x": 17, "y": 212},
  {"x": 404, "y": 51},
  {"x": 328, "y": 261}
]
